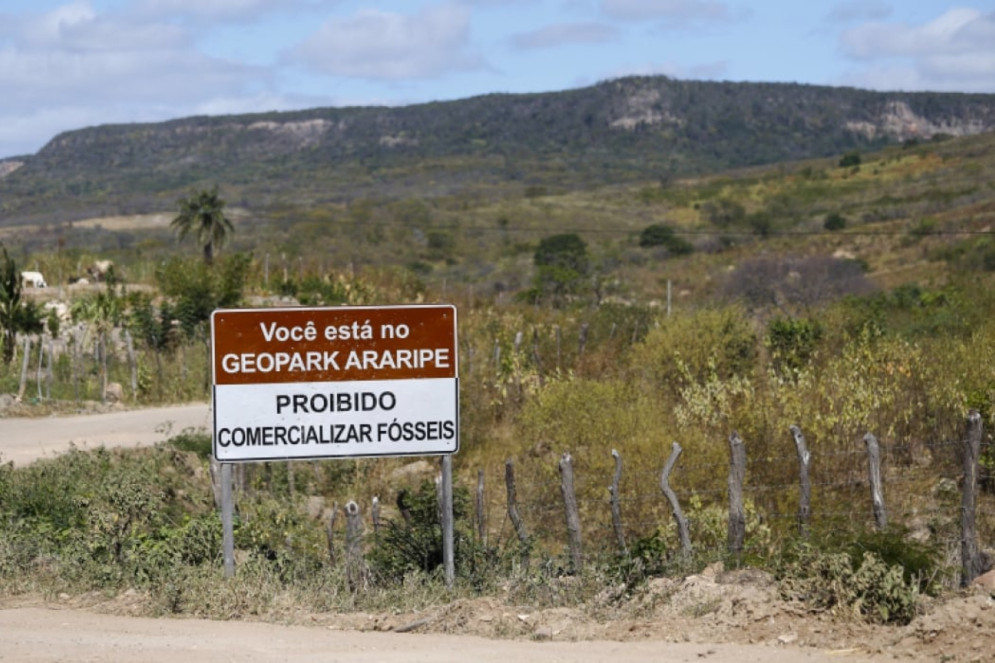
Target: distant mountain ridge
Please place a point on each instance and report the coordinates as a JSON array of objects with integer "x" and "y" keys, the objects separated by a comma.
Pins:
[{"x": 620, "y": 130}]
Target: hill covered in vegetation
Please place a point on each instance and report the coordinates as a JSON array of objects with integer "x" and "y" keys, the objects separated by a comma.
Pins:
[{"x": 625, "y": 130}]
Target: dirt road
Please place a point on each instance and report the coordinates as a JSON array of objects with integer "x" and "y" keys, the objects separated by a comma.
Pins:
[
  {"x": 23, "y": 440},
  {"x": 43, "y": 635}
]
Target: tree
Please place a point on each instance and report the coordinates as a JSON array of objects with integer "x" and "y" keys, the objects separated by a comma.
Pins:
[
  {"x": 16, "y": 314},
  {"x": 203, "y": 213},
  {"x": 660, "y": 234},
  {"x": 561, "y": 264},
  {"x": 850, "y": 160}
]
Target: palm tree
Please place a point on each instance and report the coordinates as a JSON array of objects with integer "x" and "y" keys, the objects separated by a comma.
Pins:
[{"x": 203, "y": 213}]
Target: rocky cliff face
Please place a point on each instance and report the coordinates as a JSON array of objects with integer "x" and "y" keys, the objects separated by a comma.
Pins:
[{"x": 897, "y": 121}]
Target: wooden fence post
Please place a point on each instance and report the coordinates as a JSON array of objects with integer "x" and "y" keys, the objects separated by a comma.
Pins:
[
  {"x": 214, "y": 468},
  {"x": 133, "y": 364},
  {"x": 616, "y": 507},
  {"x": 375, "y": 516},
  {"x": 48, "y": 370},
  {"x": 804, "y": 461},
  {"x": 675, "y": 505},
  {"x": 481, "y": 509},
  {"x": 355, "y": 573},
  {"x": 874, "y": 478},
  {"x": 41, "y": 361},
  {"x": 559, "y": 349},
  {"x": 330, "y": 532},
  {"x": 24, "y": 369},
  {"x": 737, "y": 512},
  {"x": 582, "y": 343},
  {"x": 571, "y": 511},
  {"x": 536, "y": 359},
  {"x": 970, "y": 557},
  {"x": 516, "y": 520}
]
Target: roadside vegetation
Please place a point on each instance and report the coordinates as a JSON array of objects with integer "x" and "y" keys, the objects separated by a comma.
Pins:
[{"x": 844, "y": 295}]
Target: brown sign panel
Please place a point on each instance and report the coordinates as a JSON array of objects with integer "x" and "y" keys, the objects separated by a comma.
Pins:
[{"x": 284, "y": 345}]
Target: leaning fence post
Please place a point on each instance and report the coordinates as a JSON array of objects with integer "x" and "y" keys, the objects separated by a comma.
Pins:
[
  {"x": 682, "y": 522},
  {"x": 804, "y": 461},
  {"x": 874, "y": 477},
  {"x": 737, "y": 474},
  {"x": 616, "y": 507},
  {"x": 970, "y": 557},
  {"x": 516, "y": 520},
  {"x": 571, "y": 511}
]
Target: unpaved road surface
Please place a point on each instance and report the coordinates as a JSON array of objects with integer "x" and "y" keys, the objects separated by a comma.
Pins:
[
  {"x": 26, "y": 439},
  {"x": 43, "y": 635}
]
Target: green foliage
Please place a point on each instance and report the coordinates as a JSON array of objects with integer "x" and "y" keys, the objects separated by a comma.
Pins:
[
  {"x": 834, "y": 221},
  {"x": 193, "y": 441},
  {"x": 911, "y": 311},
  {"x": 562, "y": 263},
  {"x": 151, "y": 327},
  {"x": 684, "y": 348},
  {"x": 792, "y": 341},
  {"x": 660, "y": 234},
  {"x": 413, "y": 544},
  {"x": 196, "y": 289},
  {"x": 203, "y": 214},
  {"x": 16, "y": 313},
  {"x": 566, "y": 250},
  {"x": 723, "y": 212},
  {"x": 923, "y": 228},
  {"x": 102, "y": 520},
  {"x": 879, "y": 576},
  {"x": 850, "y": 160}
]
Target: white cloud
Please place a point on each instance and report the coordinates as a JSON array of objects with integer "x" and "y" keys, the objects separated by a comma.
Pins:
[
  {"x": 384, "y": 45},
  {"x": 675, "y": 11},
  {"x": 560, "y": 34},
  {"x": 959, "y": 30},
  {"x": 74, "y": 66},
  {"x": 955, "y": 51}
]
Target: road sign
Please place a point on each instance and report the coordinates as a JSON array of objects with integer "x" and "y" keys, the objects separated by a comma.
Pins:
[{"x": 305, "y": 383}]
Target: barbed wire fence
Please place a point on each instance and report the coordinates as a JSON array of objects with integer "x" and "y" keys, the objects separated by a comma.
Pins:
[{"x": 571, "y": 520}]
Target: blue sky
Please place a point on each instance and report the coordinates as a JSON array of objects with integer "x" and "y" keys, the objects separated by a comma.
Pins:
[{"x": 67, "y": 64}]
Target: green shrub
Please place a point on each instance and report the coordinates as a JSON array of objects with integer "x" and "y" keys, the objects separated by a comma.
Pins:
[
  {"x": 413, "y": 543},
  {"x": 660, "y": 234},
  {"x": 850, "y": 160},
  {"x": 834, "y": 221},
  {"x": 193, "y": 441},
  {"x": 792, "y": 341},
  {"x": 878, "y": 576}
]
